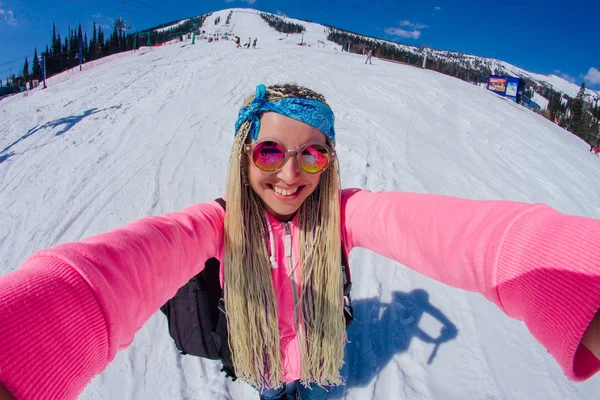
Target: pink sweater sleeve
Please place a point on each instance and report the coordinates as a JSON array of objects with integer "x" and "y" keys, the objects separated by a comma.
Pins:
[
  {"x": 537, "y": 264},
  {"x": 67, "y": 310}
]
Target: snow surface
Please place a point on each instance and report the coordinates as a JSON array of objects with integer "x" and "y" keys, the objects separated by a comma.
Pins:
[{"x": 150, "y": 133}]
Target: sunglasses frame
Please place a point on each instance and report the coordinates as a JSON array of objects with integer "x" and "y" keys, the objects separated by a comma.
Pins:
[{"x": 249, "y": 148}]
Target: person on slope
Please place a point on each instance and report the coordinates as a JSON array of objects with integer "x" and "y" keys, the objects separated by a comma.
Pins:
[
  {"x": 279, "y": 243},
  {"x": 369, "y": 55}
]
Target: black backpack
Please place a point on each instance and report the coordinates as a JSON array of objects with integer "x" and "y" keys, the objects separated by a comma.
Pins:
[{"x": 197, "y": 318}]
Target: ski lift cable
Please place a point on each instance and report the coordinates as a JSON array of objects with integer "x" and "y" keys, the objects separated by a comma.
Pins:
[
  {"x": 17, "y": 70},
  {"x": 105, "y": 6},
  {"x": 146, "y": 7},
  {"x": 16, "y": 60}
]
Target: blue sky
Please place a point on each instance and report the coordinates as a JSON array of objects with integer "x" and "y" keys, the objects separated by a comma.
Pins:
[{"x": 545, "y": 37}]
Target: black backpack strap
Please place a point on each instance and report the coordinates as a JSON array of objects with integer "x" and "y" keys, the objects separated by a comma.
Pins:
[
  {"x": 346, "y": 273},
  {"x": 221, "y": 327},
  {"x": 222, "y": 203},
  {"x": 348, "y": 309},
  {"x": 223, "y": 336}
]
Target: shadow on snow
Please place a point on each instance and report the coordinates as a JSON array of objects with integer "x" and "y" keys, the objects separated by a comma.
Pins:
[
  {"x": 381, "y": 330},
  {"x": 65, "y": 123}
]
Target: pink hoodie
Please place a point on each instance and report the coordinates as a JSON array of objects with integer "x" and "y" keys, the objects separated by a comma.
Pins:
[{"x": 67, "y": 310}]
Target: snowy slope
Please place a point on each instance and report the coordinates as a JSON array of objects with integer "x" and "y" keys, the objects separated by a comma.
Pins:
[
  {"x": 150, "y": 132},
  {"x": 247, "y": 23},
  {"x": 316, "y": 35},
  {"x": 173, "y": 26}
]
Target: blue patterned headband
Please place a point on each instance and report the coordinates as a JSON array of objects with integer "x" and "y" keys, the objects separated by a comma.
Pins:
[{"x": 309, "y": 111}]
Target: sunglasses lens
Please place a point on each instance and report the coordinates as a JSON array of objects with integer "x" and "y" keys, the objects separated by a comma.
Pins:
[
  {"x": 268, "y": 156},
  {"x": 314, "y": 158}
]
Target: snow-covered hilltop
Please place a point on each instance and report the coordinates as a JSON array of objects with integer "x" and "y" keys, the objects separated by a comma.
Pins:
[{"x": 243, "y": 23}]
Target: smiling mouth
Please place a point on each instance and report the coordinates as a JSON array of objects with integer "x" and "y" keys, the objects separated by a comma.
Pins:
[{"x": 287, "y": 194}]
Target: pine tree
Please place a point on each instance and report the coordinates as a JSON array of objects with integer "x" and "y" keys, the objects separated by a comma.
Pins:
[
  {"x": 114, "y": 41},
  {"x": 73, "y": 47},
  {"x": 46, "y": 54},
  {"x": 100, "y": 42},
  {"x": 36, "y": 71},
  {"x": 93, "y": 48},
  {"x": 58, "y": 55},
  {"x": 79, "y": 42},
  {"x": 580, "y": 122},
  {"x": 65, "y": 55},
  {"x": 86, "y": 48},
  {"x": 51, "y": 61},
  {"x": 26, "y": 71}
]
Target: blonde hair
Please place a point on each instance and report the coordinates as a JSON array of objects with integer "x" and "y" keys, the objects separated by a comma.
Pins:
[{"x": 250, "y": 298}]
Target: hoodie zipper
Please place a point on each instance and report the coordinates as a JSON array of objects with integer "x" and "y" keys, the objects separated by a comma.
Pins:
[{"x": 288, "y": 254}]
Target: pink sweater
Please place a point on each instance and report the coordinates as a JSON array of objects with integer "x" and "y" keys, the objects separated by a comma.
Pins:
[{"x": 67, "y": 310}]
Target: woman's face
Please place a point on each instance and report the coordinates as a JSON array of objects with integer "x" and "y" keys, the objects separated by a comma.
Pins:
[{"x": 284, "y": 191}]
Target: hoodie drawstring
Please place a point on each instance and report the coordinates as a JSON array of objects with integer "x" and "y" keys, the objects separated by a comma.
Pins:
[{"x": 272, "y": 242}]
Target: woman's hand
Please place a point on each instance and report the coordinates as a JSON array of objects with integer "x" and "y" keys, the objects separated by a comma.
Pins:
[
  {"x": 591, "y": 338},
  {"x": 5, "y": 394}
]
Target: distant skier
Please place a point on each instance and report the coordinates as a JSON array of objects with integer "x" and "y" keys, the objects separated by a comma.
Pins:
[
  {"x": 238, "y": 41},
  {"x": 247, "y": 44},
  {"x": 369, "y": 55},
  {"x": 254, "y": 43}
]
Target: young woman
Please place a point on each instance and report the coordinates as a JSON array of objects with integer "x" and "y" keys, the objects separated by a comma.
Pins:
[{"x": 67, "y": 310}]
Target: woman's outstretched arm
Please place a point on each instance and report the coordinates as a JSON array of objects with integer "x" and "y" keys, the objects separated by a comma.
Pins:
[
  {"x": 536, "y": 264},
  {"x": 67, "y": 310}
]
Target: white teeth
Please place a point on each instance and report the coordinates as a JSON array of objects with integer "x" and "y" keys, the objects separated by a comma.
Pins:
[{"x": 284, "y": 192}]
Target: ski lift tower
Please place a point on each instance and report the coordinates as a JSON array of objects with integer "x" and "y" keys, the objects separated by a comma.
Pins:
[
  {"x": 426, "y": 51},
  {"x": 194, "y": 28}
]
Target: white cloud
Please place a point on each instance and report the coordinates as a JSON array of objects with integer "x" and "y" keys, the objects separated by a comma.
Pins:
[
  {"x": 565, "y": 76},
  {"x": 415, "y": 34},
  {"x": 281, "y": 13},
  {"x": 568, "y": 77},
  {"x": 437, "y": 8},
  {"x": 97, "y": 15},
  {"x": 413, "y": 25},
  {"x": 7, "y": 15},
  {"x": 250, "y": 2},
  {"x": 592, "y": 77},
  {"x": 413, "y": 30}
]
